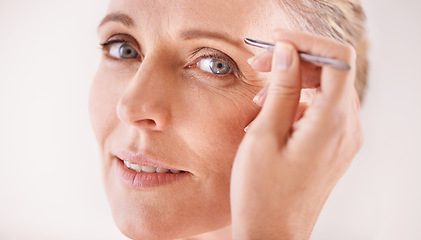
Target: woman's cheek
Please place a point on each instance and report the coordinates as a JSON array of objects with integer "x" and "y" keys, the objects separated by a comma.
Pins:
[{"x": 219, "y": 117}]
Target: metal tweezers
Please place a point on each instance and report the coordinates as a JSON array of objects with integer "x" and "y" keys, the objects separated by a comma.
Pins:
[{"x": 304, "y": 56}]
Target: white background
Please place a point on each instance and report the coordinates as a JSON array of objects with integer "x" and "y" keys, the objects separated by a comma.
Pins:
[{"x": 50, "y": 183}]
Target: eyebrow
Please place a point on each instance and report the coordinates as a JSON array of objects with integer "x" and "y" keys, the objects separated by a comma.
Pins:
[
  {"x": 118, "y": 17},
  {"x": 196, "y": 33},
  {"x": 186, "y": 35}
]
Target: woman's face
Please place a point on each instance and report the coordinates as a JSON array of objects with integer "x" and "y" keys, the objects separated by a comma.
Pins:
[{"x": 174, "y": 90}]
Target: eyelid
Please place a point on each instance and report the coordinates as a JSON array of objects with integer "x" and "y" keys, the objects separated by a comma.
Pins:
[
  {"x": 121, "y": 37},
  {"x": 112, "y": 42}
]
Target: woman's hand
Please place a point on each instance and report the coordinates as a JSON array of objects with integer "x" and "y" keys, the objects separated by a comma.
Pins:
[{"x": 285, "y": 168}]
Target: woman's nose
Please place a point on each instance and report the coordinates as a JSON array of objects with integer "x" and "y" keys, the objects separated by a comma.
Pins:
[{"x": 145, "y": 102}]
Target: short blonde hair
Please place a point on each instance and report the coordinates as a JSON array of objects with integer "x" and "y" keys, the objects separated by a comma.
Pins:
[{"x": 343, "y": 20}]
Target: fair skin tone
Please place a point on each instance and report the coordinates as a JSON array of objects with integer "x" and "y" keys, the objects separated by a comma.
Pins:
[{"x": 270, "y": 183}]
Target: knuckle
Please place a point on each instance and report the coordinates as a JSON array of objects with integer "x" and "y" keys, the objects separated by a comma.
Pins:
[{"x": 284, "y": 90}]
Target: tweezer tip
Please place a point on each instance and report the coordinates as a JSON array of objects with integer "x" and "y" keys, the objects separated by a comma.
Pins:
[
  {"x": 258, "y": 43},
  {"x": 248, "y": 40}
]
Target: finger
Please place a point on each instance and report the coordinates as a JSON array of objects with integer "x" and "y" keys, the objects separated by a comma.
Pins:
[
  {"x": 302, "y": 107},
  {"x": 261, "y": 62},
  {"x": 335, "y": 83},
  {"x": 261, "y": 96},
  {"x": 307, "y": 95},
  {"x": 284, "y": 90},
  {"x": 310, "y": 73}
]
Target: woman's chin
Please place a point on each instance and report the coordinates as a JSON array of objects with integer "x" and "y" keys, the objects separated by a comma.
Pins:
[
  {"x": 146, "y": 233},
  {"x": 134, "y": 226},
  {"x": 155, "y": 231},
  {"x": 178, "y": 209},
  {"x": 156, "y": 222}
]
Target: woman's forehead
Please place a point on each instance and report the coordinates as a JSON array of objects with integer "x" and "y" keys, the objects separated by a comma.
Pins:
[{"x": 234, "y": 17}]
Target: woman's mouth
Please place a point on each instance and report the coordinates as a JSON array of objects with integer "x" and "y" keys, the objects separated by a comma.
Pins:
[
  {"x": 149, "y": 169},
  {"x": 140, "y": 171}
]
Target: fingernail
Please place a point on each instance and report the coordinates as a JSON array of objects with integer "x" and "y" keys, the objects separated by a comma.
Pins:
[
  {"x": 254, "y": 58},
  {"x": 260, "y": 94},
  {"x": 283, "y": 56},
  {"x": 251, "y": 60}
]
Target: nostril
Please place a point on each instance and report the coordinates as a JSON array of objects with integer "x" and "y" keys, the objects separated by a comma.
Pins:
[
  {"x": 140, "y": 108},
  {"x": 143, "y": 115},
  {"x": 149, "y": 123}
]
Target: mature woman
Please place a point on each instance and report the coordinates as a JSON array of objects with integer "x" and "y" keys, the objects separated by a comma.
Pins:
[{"x": 176, "y": 88}]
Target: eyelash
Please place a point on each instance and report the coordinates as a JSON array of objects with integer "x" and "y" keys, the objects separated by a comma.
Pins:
[
  {"x": 113, "y": 41},
  {"x": 214, "y": 55},
  {"x": 106, "y": 45}
]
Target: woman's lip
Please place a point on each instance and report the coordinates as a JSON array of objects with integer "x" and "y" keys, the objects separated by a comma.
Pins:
[
  {"x": 139, "y": 180},
  {"x": 142, "y": 159}
]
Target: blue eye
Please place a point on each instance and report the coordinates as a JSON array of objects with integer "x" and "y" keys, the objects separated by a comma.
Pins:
[
  {"x": 214, "y": 65},
  {"x": 123, "y": 50}
]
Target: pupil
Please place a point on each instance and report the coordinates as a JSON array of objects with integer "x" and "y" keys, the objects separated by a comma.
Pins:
[
  {"x": 128, "y": 51},
  {"x": 219, "y": 65}
]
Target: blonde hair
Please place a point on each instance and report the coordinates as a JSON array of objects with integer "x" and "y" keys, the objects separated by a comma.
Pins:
[{"x": 343, "y": 20}]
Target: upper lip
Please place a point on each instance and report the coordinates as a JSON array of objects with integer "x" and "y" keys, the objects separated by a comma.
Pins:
[{"x": 141, "y": 159}]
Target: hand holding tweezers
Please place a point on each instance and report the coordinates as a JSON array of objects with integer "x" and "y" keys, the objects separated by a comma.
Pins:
[{"x": 304, "y": 56}]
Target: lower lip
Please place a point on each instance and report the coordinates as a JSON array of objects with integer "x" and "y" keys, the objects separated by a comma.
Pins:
[{"x": 135, "y": 179}]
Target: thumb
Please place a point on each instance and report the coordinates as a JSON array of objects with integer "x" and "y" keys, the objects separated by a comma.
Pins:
[{"x": 279, "y": 109}]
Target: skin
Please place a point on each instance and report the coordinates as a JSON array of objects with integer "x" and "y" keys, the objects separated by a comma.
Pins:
[
  {"x": 296, "y": 161},
  {"x": 165, "y": 106}
]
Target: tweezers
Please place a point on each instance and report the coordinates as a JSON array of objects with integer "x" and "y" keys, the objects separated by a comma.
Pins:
[{"x": 304, "y": 56}]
